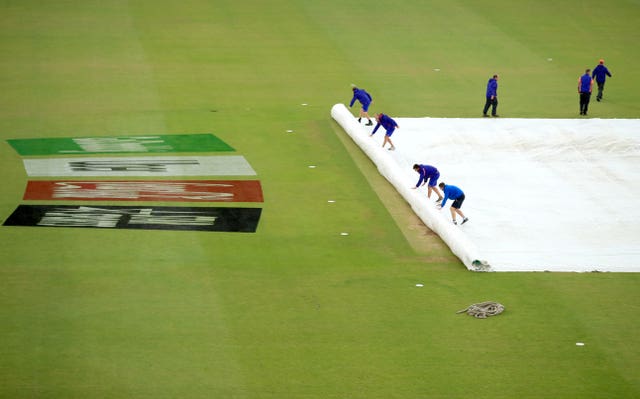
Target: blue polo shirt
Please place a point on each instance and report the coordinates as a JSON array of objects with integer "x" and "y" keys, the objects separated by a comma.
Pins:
[
  {"x": 584, "y": 83},
  {"x": 452, "y": 192},
  {"x": 362, "y": 96}
]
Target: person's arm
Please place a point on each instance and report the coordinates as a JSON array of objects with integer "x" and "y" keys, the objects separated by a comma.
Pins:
[
  {"x": 353, "y": 100},
  {"x": 445, "y": 193},
  {"x": 579, "y": 81},
  {"x": 491, "y": 89},
  {"x": 422, "y": 174},
  {"x": 375, "y": 129},
  {"x": 591, "y": 85},
  {"x": 393, "y": 123},
  {"x": 608, "y": 73}
]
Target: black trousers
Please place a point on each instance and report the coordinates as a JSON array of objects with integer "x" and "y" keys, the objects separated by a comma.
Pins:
[
  {"x": 491, "y": 103},
  {"x": 584, "y": 102},
  {"x": 600, "y": 90}
]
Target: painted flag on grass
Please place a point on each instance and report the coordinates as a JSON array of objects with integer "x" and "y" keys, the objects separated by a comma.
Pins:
[{"x": 143, "y": 180}]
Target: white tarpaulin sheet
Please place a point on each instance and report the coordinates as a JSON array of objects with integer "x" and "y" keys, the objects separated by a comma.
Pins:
[{"x": 541, "y": 194}]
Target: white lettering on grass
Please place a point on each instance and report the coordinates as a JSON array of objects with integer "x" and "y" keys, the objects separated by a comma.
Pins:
[
  {"x": 109, "y": 218},
  {"x": 148, "y": 216},
  {"x": 122, "y": 144},
  {"x": 127, "y": 166},
  {"x": 142, "y": 190},
  {"x": 80, "y": 217}
]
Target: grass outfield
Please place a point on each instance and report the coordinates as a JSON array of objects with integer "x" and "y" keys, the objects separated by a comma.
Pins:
[{"x": 296, "y": 310}]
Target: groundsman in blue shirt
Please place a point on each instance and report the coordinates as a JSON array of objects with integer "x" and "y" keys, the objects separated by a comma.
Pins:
[
  {"x": 585, "y": 84},
  {"x": 366, "y": 100},
  {"x": 457, "y": 195},
  {"x": 389, "y": 125},
  {"x": 600, "y": 74},
  {"x": 492, "y": 97},
  {"x": 428, "y": 174}
]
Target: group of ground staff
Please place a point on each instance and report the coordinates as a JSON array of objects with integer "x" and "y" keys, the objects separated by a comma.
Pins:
[
  {"x": 429, "y": 175},
  {"x": 585, "y": 87}
]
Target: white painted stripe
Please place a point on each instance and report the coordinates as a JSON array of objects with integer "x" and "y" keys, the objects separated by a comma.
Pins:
[{"x": 228, "y": 165}]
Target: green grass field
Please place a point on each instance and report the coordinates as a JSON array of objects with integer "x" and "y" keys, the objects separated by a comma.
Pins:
[{"x": 296, "y": 310}]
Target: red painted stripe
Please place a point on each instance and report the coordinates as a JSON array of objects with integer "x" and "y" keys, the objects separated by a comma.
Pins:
[{"x": 145, "y": 190}]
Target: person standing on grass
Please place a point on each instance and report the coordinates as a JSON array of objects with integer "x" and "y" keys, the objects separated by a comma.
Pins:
[
  {"x": 365, "y": 99},
  {"x": 457, "y": 196},
  {"x": 492, "y": 97},
  {"x": 585, "y": 85},
  {"x": 600, "y": 74},
  {"x": 428, "y": 174},
  {"x": 389, "y": 125}
]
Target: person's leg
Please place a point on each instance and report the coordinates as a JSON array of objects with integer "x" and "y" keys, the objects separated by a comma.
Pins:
[
  {"x": 440, "y": 195},
  {"x": 387, "y": 139},
  {"x": 432, "y": 187},
  {"x": 464, "y": 218},
  {"x": 453, "y": 214},
  {"x": 600, "y": 90},
  {"x": 434, "y": 182},
  {"x": 364, "y": 112},
  {"x": 494, "y": 107},
  {"x": 455, "y": 209},
  {"x": 487, "y": 104},
  {"x": 586, "y": 102},
  {"x": 582, "y": 103}
]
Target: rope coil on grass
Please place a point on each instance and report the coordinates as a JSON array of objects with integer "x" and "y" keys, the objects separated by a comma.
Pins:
[{"x": 483, "y": 310}]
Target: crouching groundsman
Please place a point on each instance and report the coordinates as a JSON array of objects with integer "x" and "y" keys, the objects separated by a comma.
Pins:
[
  {"x": 365, "y": 99},
  {"x": 389, "y": 125},
  {"x": 457, "y": 195}
]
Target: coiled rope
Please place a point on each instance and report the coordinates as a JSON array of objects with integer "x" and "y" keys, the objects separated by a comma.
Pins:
[{"x": 483, "y": 310}]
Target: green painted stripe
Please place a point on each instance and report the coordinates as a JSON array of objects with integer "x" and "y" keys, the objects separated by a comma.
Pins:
[{"x": 120, "y": 144}]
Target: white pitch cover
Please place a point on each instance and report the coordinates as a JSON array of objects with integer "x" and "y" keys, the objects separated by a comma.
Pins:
[{"x": 541, "y": 194}]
